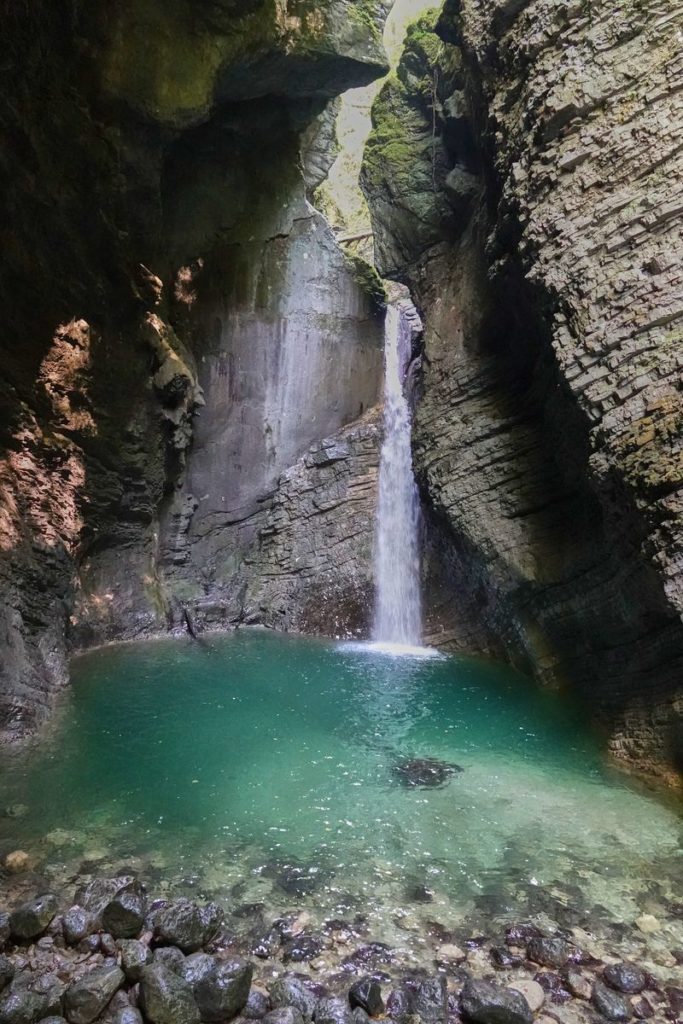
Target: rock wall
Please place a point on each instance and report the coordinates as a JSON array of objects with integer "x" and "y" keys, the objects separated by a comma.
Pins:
[
  {"x": 157, "y": 234},
  {"x": 539, "y": 229}
]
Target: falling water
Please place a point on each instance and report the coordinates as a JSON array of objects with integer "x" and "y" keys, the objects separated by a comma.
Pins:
[{"x": 398, "y": 611}]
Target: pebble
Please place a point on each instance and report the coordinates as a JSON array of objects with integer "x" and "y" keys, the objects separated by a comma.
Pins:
[
  {"x": 450, "y": 953},
  {"x": 17, "y": 861},
  {"x": 532, "y": 992},
  {"x": 648, "y": 923}
]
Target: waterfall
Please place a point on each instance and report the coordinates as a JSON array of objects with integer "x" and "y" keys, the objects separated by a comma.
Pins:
[{"x": 398, "y": 606}]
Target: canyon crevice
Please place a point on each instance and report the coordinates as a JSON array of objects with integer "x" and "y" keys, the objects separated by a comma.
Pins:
[{"x": 522, "y": 179}]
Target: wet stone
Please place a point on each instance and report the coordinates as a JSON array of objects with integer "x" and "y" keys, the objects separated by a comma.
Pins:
[
  {"x": 549, "y": 952},
  {"x": 675, "y": 997},
  {"x": 430, "y": 1000},
  {"x": 625, "y": 977},
  {"x": 302, "y": 948},
  {"x": 4, "y": 928},
  {"x": 257, "y": 1005},
  {"x": 484, "y": 1003},
  {"x": 134, "y": 958},
  {"x": 86, "y": 998},
  {"x": 222, "y": 992},
  {"x": 532, "y": 992},
  {"x": 367, "y": 994},
  {"x": 108, "y": 944},
  {"x": 195, "y": 967},
  {"x": 267, "y": 944},
  {"x": 127, "y": 1015},
  {"x": 424, "y": 772},
  {"x": 169, "y": 956},
  {"x": 359, "y": 1015},
  {"x": 166, "y": 998},
  {"x": 333, "y": 1011},
  {"x": 32, "y": 918},
  {"x": 642, "y": 1008},
  {"x": 289, "y": 991},
  {"x": 77, "y": 924},
  {"x": 6, "y": 972},
  {"x": 20, "y": 1004},
  {"x": 553, "y": 985},
  {"x": 97, "y": 894},
  {"x": 284, "y": 1015},
  {"x": 611, "y": 1004},
  {"x": 124, "y": 915},
  {"x": 186, "y": 925},
  {"x": 578, "y": 984}
]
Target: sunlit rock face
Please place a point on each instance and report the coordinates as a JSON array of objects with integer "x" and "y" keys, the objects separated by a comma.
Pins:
[
  {"x": 546, "y": 261},
  {"x": 167, "y": 291}
]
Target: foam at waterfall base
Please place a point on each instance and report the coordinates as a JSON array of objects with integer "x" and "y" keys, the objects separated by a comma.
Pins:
[{"x": 389, "y": 649}]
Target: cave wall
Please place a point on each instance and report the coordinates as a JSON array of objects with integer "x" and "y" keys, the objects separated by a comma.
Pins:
[
  {"x": 522, "y": 178},
  {"x": 157, "y": 232}
]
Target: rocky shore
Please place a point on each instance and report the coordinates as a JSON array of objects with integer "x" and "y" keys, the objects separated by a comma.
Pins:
[{"x": 115, "y": 954}]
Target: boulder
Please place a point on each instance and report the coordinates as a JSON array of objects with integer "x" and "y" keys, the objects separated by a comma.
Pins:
[
  {"x": 195, "y": 967},
  {"x": 166, "y": 998},
  {"x": 169, "y": 956},
  {"x": 485, "y": 1003},
  {"x": 86, "y": 998},
  {"x": 32, "y": 918},
  {"x": 77, "y": 924},
  {"x": 127, "y": 1015},
  {"x": 625, "y": 977},
  {"x": 223, "y": 991},
  {"x": 285, "y": 1015},
  {"x": 289, "y": 991},
  {"x": 124, "y": 915},
  {"x": 6, "y": 972},
  {"x": 333, "y": 1011},
  {"x": 611, "y": 1004},
  {"x": 549, "y": 952},
  {"x": 367, "y": 994},
  {"x": 135, "y": 956},
  {"x": 186, "y": 925},
  {"x": 430, "y": 1000},
  {"x": 20, "y": 1004},
  {"x": 257, "y": 1006},
  {"x": 97, "y": 894},
  {"x": 303, "y": 947}
]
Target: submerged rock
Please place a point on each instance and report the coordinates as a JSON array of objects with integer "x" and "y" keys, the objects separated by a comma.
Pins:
[
  {"x": 549, "y": 952},
  {"x": 625, "y": 977},
  {"x": 424, "y": 772},
  {"x": 484, "y": 1003},
  {"x": 610, "y": 1003}
]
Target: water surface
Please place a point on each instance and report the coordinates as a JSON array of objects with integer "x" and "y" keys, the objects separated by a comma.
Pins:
[{"x": 259, "y": 767}]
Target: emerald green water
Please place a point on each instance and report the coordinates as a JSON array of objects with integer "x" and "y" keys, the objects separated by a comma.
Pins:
[{"x": 209, "y": 768}]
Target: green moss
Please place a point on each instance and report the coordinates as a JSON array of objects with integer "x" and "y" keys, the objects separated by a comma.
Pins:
[{"x": 369, "y": 280}]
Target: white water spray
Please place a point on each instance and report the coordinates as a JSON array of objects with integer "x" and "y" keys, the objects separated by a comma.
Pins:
[{"x": 398, "y": 606}]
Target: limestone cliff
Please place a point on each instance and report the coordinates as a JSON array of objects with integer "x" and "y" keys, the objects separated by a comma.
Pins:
[
  {"x": 523, "y": 177},
  {"x": 164, "y": 283}
]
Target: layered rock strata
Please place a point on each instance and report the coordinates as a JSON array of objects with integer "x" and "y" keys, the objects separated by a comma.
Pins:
[{"x": 539, "y": 228}]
